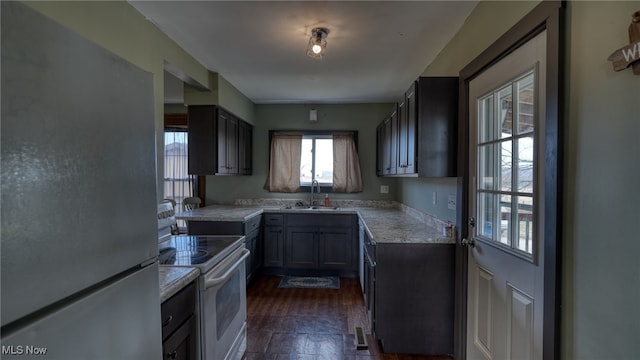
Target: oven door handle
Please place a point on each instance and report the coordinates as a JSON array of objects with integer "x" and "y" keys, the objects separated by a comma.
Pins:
[{"x": 211, "y": 282}]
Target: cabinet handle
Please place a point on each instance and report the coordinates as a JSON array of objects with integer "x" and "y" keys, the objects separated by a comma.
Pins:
[
  {"x": 172, "y": 355},
  {"x": 167, "y": 321}
]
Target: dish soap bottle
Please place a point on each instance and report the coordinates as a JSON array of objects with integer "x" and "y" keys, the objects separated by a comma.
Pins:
[{"x": 326, "y": 200}]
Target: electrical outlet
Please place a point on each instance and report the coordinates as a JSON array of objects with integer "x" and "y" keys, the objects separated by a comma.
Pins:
[
  {"x": 384, "y": 189},
  {"x": 434, "y": 199}
]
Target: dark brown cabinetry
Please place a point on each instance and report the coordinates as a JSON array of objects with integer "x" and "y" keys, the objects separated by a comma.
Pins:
[
  {"x": 388, "y": 143},
  {"x": 179, "y": 325},
  {"x": 407, "y": 132},
  {"x": 321, "y": 242},
  {"x": 245, "y": 148},
  {"x": 219, "y": 142},
  {"x": 421, "y": 320},
  {"x": 420, "y": 136},
  {"x": 273, "y": 246},
  {"x": 227, "y": 143}
]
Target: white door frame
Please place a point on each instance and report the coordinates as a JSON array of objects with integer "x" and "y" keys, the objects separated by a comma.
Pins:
[{"x": 547, "y": 15}]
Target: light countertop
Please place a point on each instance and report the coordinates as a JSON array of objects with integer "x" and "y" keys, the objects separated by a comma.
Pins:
[
  {"x": 174, "y": 278},
  {"x": 384, "y": 225}
]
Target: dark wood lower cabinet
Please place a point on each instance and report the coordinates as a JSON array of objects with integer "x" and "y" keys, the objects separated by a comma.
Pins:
[
  {"x": 179, "y": 325},
  {"x": 182, "y": 343},
  {"x": 414, "y": 298},
  {"x": 273, "y": 246},
  {"x": 301, "y": 247},
  {"x": 322, "y": 242},
  {"x": 337, "y": 249}
]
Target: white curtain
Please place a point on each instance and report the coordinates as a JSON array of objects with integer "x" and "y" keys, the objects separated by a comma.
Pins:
[
  {"x": 284, "y": 171},
  {"x": 346, "y": 165}
]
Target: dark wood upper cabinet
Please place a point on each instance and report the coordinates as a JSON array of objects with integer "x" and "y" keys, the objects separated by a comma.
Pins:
[
  {"x": 203, "y": 141},
  {"x": 388, "y": 143},
  {"x": 245, "y": 148},
  {"x": 219, "y": 142},
  {"x": 407, "y": 132},
  {"x": 419, "y": 137},
  {"x": 437, "y": 121}
]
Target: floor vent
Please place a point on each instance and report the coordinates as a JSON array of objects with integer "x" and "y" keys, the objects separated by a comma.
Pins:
[{"x": 361, "y": 339}]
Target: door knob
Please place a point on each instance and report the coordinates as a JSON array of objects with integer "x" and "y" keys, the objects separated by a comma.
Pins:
[{"x": 468, "y": 242}]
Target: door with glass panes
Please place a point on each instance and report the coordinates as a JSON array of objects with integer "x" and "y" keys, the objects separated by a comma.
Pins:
[{"x": 505, "y": 266}]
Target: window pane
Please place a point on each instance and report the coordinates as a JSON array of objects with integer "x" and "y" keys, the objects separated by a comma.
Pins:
[
  {"x": 486, "y": 211},
  {"x": 506, "y": 161},
  {"x": 525, "y": 164},
  {"x": 324, "y": 161},
  {"x": 526, "y": 104},
  {"x": 505, "y": 98},
  {"x": 485, "y": 119},
  {"x": 485, "y": 167},
  {"x": 505, "y": 219},
  {"x": 306, "y": 161},
  {"x": 177, "y": 184},
  {"x": 525, "y": 224},
  {"x": 316, "y": 160},
  {"x": 505, "y": 164}
]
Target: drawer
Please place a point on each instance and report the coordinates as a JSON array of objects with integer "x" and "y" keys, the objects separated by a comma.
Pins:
[
  {"x": 315, "y": 219},
  {"x": 274, "y": 219},
  {"x": 252, "y": 224},
  {"x": 177, "y": 309},
  {"x": 214, "y": 227}
]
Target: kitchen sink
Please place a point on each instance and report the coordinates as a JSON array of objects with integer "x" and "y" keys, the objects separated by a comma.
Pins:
[
  {"x": 322, "y": 208},
  {"x": 312, "y": 208}
]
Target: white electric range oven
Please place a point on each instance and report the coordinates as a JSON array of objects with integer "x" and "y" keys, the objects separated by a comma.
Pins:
[{"x": 221, "y": 289}]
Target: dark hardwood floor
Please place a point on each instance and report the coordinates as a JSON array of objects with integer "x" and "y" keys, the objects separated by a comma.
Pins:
[{"x": 310, "y": 324}]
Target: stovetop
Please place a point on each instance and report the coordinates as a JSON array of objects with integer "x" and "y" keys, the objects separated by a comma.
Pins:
[{"x": 203, "y": 252}]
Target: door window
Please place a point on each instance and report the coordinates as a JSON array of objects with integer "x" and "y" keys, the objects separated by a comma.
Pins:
[{"x": 506, "y": 165}]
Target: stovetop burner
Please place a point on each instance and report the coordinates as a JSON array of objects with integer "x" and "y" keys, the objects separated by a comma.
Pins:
[{"x": 201, "y": 251}]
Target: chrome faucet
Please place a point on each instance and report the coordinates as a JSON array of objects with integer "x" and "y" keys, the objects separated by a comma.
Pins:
[{"x": 314, "y": 183}]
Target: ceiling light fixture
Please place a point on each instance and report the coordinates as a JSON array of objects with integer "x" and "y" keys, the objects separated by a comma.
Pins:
[{"x": 317, "y": 43}]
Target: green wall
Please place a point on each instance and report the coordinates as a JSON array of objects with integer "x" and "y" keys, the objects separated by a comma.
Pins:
[
  {"x": 601, "y": 269},
  {"x": 361, "y": 117}
]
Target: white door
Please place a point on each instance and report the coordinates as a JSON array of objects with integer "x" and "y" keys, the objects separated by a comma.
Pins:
[{"x": 505, "y": 265}]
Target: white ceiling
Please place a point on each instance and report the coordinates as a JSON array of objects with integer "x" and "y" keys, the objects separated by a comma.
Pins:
[{"x": 374, "y": 48}]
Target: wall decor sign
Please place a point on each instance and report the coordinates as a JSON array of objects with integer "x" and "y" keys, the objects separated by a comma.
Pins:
[{"x": 630, "y": 54}]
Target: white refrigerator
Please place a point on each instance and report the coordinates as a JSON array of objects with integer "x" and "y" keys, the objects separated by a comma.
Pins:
[{"x": 79, "y": 276}]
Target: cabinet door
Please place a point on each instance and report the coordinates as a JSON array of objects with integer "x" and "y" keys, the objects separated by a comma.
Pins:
[
  {"x": 273, "y": 246},
  {"x": 301, "y": 248},
  {"x": 245, "y": 138},
  {"x": 380, "y": 150},
  {"x": 437, "y": 126},
  {"x": 336, "y": 248},
  {"x": 403, "y": 133},
  {"x": 202, "y": 143},
  {"x": 407, "y": 131},
  {"x": 182, "y": 343},
  {"x": 390, "y": 144},
  {"x": 227, "y": 143},
  {"x": 412, "y": 129}
]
